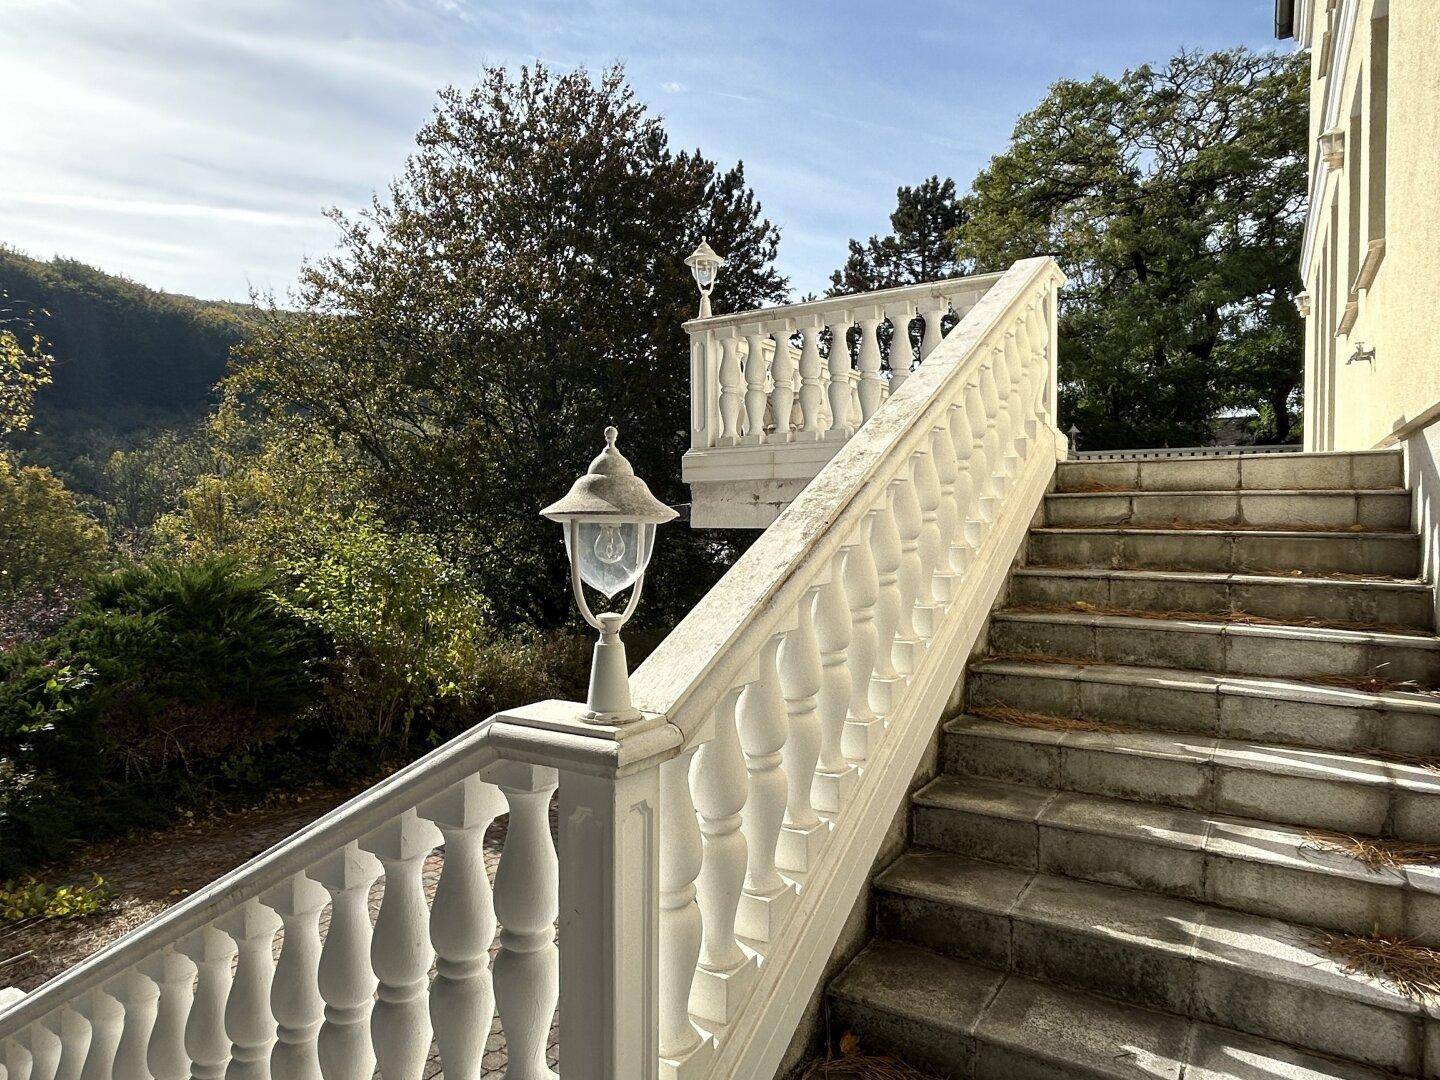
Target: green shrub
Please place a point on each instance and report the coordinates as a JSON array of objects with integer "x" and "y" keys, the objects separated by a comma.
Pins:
[
  {"x": 128, "y": 709},
  {"x": 46, "y": 540},
  {"x": 31, "y": 899}
]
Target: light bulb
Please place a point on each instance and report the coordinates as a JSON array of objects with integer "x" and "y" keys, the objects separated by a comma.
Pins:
[{"x": 609, "y": 545}]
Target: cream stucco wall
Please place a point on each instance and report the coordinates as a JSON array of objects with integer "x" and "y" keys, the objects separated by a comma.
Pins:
[{"x": 1375, "y": 68}]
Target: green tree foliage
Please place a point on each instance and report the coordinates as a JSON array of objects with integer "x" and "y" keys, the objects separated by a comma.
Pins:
[
  {"x": 918, "y": 248},
  {"x": 23, "y": 371},
  {"x": 516, "y": 289},
  {"x": 1173, "y": 198},
  {"x": 46, "y": 541},
  {"x": 128, "y": 360}
]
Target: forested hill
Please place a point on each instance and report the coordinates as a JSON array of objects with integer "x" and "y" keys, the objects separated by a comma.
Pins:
[{"x": 125, "y": 355}]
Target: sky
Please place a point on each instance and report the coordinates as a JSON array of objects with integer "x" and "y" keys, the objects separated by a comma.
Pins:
[{"x": 192, "y": 145}]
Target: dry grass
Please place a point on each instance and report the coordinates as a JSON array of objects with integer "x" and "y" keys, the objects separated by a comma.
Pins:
[
  {"x": 1178, "y": 525},
  {"x": 1372, "y": 684},
  {"x": 1418, "y": 761},
  {"x": 1004, "y": 714},
  {"x": 855, "y": 1064},
  {"x": 1230, "y": 615},
  {"x": 1411, "y": 969},
  {"x": 1092, "y": 488},
  {"x": 1044, "y": 658},
  {"x": 1374, "y": 853}
]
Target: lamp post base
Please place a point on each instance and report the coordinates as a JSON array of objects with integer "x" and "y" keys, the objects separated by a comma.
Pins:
[{"x": 608, "y": 701}]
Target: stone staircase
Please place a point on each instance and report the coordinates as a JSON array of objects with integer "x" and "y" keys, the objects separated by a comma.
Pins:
[{"x": 1137, "y": 889}]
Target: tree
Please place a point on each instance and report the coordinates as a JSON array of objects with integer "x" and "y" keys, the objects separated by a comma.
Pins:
[
  {"x": 1173, "y": 198},
  {"x": 23, "y": 371},
  {"x": 918, "y": 249},
  {"x": 519, "y": 287}
]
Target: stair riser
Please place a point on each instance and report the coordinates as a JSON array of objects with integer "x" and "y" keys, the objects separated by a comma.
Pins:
[
  {"x": 1335, "y": 510},
  {"x": 1393, "y": 556},
  {"x": 1230, "y": 716},
  {"x": 1185, "y": 872},
  {"x": 1112, "y": 965},
  {"x": 1238, "y": 653},
  {"x": 1275, "y": 472},
  {"x": 1372, "y": 604},
  {"x": 1368, "y": 809}
]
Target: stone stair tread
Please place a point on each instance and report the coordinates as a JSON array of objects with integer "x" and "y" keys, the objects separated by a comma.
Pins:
[
  {"x": 1275, "y": 758},
  {"x": 1182, "y": 679},
  {"x": 1010, "y": 1022},
  {"x": 1222, "y": 577},
  {"x": 1277, "y": 950},
  {"x": 1293, "y": 534},
  {"x": 1417, "y": 640},
  {"x": 1227, "y": 492},
  {"x": 1226, "y": 836}
]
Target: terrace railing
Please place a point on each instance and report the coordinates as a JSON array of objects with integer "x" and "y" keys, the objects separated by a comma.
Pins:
[{"x": 708, "y": 853}]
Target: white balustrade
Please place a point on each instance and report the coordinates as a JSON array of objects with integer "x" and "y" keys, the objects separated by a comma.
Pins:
[{"x": 711, "y": 850}]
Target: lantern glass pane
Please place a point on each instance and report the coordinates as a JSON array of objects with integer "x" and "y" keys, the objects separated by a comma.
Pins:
[
  {"x": 704, "y": 274},
  {"x": 612, "y": 556}
]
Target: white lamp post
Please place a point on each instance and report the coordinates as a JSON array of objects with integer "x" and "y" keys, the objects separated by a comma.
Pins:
[
  {"x": 609, "y": 518},
  {"x": 705, "y": 265}
]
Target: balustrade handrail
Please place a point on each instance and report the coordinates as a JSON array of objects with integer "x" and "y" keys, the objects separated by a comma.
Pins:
[
  {"x": 684, "y": 677},
  {"x": 946, "y": 288},
  {"x": 427, "y": 776}
]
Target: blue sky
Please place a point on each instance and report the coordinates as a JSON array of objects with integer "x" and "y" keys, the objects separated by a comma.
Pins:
[{"x": 192, "y": 145}]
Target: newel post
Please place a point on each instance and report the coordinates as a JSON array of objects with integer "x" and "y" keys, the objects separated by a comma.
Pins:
[{"x": 610, "y": 887}]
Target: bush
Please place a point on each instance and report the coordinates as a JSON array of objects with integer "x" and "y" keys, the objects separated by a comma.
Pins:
[
  {"x": 128, "y": 709},
  {"x": 46, "y": 540}
]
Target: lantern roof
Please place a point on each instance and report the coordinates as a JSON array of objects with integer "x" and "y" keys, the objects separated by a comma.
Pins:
[{"x": 610, "y": 491}]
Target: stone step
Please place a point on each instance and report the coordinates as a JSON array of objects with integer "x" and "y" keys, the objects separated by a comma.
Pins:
[
  {"x": 1392, "y": 554},
  {"x": 1339, "y": 600},
  {"x": 1366, "y": 470},
  {"x": 1380, "y": 510},
  {"x": 961, "y": 1020},
  {"x": 1262, "y": 976},
  {"x": 1220, "y": 647},
  {"x": 1316, "y": 788},
  {"x": 1259, "y": 867},
  {"x": 1269, "y": 710}
]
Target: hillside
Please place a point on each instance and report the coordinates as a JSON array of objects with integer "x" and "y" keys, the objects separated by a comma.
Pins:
[{"x": 128, "y": 359}]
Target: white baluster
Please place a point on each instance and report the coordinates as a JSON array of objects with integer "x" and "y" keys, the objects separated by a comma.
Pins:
[
  {"x": 15, "y": 1055},
  {"x": 347, "y": 982},
  {"x": 1033, "y": 369},
  {"x": 174, "y": 976},
  {"x": 1011, "y": 429},
  {"x": 841, "y": 392},
  {"x": 295, "y": 999},
  {"x": 42, "y": 1047},
  {"x": 685, "y": 1049},
  {"x": 955, "y": 550},
  {"x": 932, "y": 313},
  {"x": 803, "y": 835},
  {"x": 836, "y": 777},
  {"x": 1016, "y": 359},
  {"x": 107, "y": 1023},
  {"x": 782, "y": 374},
  {"x": 995, "y": 438},
  {"x": 71, "y": 1036},
  {"x": 205, "y": 1039},
  {"x": 720, "y": 783},
  {"x": 902, "y": 353},
  {"x": 909, "y": 644},
  {"x": 527, "y": 899},
  {"x": 886, "y": 686},
  {"x": 248, "y": 1020},
  {"x": 872, "y": 383},
  {"x": 767, "y": 898},
  {"x": 139, "y": 999},
  {"x": 981, "y": 464},
  {"x": 400, "y": 951},
  {"x": 811, "y": 385},
  {"x": 755, "y": 398},
  {"x": 462, "y": 927},
  {"x": 863, "y": 728},
  {"x": 935, "y": 578},
  {"x": 731, "y": 391}
]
